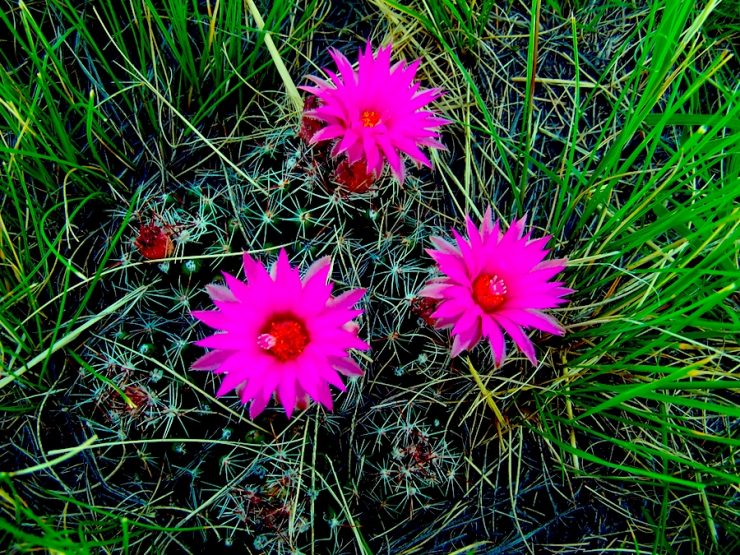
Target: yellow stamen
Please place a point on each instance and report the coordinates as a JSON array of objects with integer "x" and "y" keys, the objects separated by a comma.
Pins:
[{"x": 370, "y": 118}]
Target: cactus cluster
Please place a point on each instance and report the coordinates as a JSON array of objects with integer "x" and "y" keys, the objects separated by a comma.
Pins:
[
  {"x": 263, "y": 483},
  {"x": 393, "y": 448}
]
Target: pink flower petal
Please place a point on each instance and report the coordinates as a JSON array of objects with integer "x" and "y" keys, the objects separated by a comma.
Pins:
[
  {"x": 211, "y": 360},
  {"x": 467, "y": 333},
  {"x": 451, "y": 264},
  {"x": 346, "y": 300},
  {"x": 327, "y": 133},
  {"x": 444, "y": 247},
  {"x": 346, "y": 366},
  {"x": 227, "y": 341},
  {"x": 394, "y": 160},
  {"x": 349, "y": 139},
  {"x": 258, "y": 405},
  {"x": 220, "y": 293},
  {"x": 323, "y": 396},
  {"x": 496, "y": 340},
  {"x": 534, "y": 319},
  {"x": 331, "y": 377},
  {"x": 458, "y": 346},
  {"x": 257, "y": 275},
  {"x": 237, "y": 287},
  {"x": 434, "y": 290},
  {"x": 287, "y": 391},
  {"x": 319, "y": 270},
  {"x": 520, "y": 339},
  {"x": 212, "y": 318},
  {"x": 372, "y": 154}
]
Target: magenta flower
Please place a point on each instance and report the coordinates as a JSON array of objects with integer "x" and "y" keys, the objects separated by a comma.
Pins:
[
  {"x": 375, "y": 112},
  {"x": 281, "y": 334},
  {"x": 495, "y": 282}
]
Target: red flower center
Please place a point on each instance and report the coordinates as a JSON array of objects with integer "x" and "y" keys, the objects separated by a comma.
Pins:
[
  {"x": 284, "y": 337},
  {"x": 489, "y": 291},
  {"x": 370, "y": 118}
]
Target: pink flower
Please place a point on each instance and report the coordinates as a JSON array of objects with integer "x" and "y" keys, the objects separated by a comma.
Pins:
[
  {"x": 281, "y": 334},
  {"x": 495, "y": 281},
  {"x": 375, "y": 112}
]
